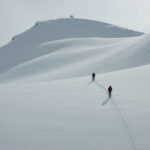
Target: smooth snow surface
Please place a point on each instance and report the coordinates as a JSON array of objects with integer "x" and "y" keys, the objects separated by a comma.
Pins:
[
  {"x": 47, "y": 98},
  {"x": 68, "y": 114}
]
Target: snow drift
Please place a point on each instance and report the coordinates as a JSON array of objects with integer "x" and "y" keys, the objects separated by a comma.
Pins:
[
  {"x": 25, "y": 47},
  {"x": 80, "y": 56}
]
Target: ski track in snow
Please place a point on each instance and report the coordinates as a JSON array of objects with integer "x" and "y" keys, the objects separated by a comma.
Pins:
[{"x": 124, "y": 121}]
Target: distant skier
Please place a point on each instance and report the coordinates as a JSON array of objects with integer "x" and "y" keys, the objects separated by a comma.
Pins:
[
  {"x": 93, "y": 76},
  {"x": 109, "y": 91}
]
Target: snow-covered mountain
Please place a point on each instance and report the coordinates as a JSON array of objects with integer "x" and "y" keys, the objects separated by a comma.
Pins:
[
  {"x": 39, "y": 112},
  {"x": 57, "y": 45}
]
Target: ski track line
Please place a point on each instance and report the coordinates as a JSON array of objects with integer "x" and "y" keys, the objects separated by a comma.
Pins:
[
  {"x": 122, "y": 119},
  {"x": 125, "y": 125}
]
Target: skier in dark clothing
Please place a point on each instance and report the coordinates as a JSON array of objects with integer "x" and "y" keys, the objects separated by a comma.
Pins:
[
  {"x": 109, "y": 91},
  {"x": 93, "y": 76}
]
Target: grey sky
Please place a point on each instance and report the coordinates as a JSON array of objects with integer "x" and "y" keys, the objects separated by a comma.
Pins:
[{"x": 19, "y": 15}]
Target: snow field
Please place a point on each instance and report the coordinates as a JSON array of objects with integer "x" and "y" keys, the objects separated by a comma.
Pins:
[{"x": 69, "y": 113}]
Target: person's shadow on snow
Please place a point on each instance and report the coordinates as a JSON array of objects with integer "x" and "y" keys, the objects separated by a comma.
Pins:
[
  {"x": 105, "y": 102},
  {"x": 102, "y": 87},
  {"x": 90, "y": 82}
]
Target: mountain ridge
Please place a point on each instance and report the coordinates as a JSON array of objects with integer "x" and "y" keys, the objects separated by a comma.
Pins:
[{"x": 98, "y": 29}]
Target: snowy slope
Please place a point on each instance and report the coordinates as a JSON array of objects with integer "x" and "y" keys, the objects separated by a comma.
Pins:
[
  {"x": 68, "y": 114},
  {"x": 81, "y": 56},
  {"x": 24, "y": 47}
]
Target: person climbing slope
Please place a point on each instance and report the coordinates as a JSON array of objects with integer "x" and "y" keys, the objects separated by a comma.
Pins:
[
  {"x": 109, "y": 91},
  {"x": 93, "y": 76}
]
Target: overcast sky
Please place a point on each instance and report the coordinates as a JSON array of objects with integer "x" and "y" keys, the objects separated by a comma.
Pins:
[{"x": 17, "y": 16}]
